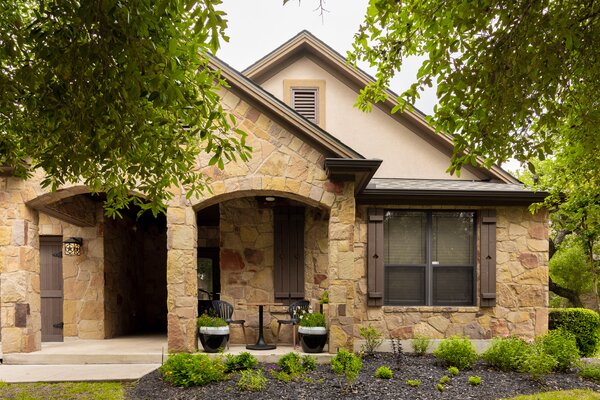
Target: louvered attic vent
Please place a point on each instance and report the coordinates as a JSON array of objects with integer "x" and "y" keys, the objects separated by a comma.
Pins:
[{"x": 304, "y": 101}]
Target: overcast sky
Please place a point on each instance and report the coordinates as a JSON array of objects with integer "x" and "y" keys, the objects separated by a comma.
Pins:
[{"x": 256, "y": 27}]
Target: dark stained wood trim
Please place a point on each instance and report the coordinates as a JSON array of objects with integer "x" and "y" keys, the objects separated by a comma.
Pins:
[
  {"x": 449, "y": 197},
  {"x": 375, "y": 258},
  {"x": 488, "y": 258}
]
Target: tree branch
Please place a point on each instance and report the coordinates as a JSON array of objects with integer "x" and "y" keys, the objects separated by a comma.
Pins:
[{"x": 568, "y": 294}]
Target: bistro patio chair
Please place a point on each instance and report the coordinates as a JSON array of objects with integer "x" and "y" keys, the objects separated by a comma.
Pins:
[
  {"x": 225, "y": 310},
  {"x": 295, "y": 310}
]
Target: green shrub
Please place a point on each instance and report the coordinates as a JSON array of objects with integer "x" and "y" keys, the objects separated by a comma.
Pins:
[
  {"x": 456, "y": 352},
  {"x": 535, "y": 362},
  {"x": 474, "y": 380},
  {"x": 453, "y": 371},
  {"x": 242, "y": 361},
  {"x": 291, "y": 364},
  {"x": 413, "y": 382},
  {"x": 186, "y": 370},
  {"x": 311, "y": 320},
  {"x": 372, "y": 338},
  {"x": 441, "y": 387},
  {"x": 207, "y": 320},
  {"x": 561, "y": 345},
  {"x": 591, "y": 372},
  {"x": 347, "y": 364},
  {"x": 324, "y": 298},
  {"x": 444, "y": 379},
  {"x": 383, "y": 372},
  {"x": 253, "y": 381},
  {"x": 583, "y": 323},
  {"x": 420, "y": 344},
  {"x": 504, "y": 354},
  {"x": 309, "y": 363}
]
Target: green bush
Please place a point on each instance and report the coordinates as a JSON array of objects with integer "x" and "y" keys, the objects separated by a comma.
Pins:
[
  {"x": 311, "y": 320},
  {"x": 444, "y": 379},
  {"x": 504, "y": 354},
  {"x": 441, "y": 387},
  {"x": 291, "y": 364},
  {"x": 562, "y": 346},
  {"x": 210, "y": 321},
  {"x": 242, "y": 361},
  {"x": 324, "y": 298},
  {"x": 348, "y": 364},
  {"x": 474, "y": 380},
  {"x": 413, "y": 382},
  {"x": 591, "y": 372},
  {"x": 453, "y": 371},
  {"x": 456, "y": 352},
  {"x": 536, "y": 362},
  {"x": 186, "y": 370},
  {"x": 309, "y": 363},
  {"x": 583, "y": 323},
  {"x": 253, "y": 381},
  {"x": 383, "y": 372},
  {"x": 372, "y": 338},
  {"x": 420, "y": 344}
]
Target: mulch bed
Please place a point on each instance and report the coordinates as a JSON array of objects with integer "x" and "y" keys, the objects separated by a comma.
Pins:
[{"x": 324, "y": 384}]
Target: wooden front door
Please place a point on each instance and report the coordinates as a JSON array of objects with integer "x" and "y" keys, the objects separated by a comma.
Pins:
[{"x": 51, "y": 288}]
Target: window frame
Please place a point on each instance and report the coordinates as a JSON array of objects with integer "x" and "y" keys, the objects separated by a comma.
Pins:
[{"x": 429, "y": 266}]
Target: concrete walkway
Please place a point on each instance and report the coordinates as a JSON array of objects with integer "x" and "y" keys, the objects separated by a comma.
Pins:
[
  {"x": 119, "y": 359},
  {"x": 74, "y": 373}
]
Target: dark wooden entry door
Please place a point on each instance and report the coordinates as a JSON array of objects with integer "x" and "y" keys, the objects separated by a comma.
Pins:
[{"x": 51, "y": 288}]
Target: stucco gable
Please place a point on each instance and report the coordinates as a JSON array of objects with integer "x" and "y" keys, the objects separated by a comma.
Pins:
[{"x": 306, "y": 51}]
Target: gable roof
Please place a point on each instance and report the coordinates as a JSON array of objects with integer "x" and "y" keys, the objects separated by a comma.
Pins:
[
  {"x": 257, "y": 96},
  {"x": 307, "y": 45}
]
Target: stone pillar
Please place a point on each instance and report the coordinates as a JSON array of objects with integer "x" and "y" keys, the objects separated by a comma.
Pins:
[
  {"x": 182, "y": 283},
  {"x": 341, "y": 268},
  {"x": 19, "y": 271}
]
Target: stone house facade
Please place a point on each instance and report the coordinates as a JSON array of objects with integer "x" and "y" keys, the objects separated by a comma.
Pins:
[{"x": 332, "y": 199}]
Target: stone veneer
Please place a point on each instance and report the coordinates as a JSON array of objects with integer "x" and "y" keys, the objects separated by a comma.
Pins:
[{"x": 522, "y": 287}]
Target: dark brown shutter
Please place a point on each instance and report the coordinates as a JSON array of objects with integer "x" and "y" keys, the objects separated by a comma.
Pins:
[
  {"x": 488, "y": 258},
  {"x": 288, "y": 239},
  {"x": 375, "y": 258}
]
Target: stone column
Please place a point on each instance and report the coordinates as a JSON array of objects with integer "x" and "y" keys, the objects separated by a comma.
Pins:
[
  {"x": 182, "y": 284},
  {"x": 341, "y": 268},
  {"x": 19, "y": 271}
]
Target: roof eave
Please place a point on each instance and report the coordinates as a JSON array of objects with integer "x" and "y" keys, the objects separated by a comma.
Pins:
[
  {"x": 452, "y": 197},
  {"x": 361, "y": 171}
]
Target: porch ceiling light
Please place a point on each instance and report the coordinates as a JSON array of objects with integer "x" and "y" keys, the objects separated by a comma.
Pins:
[
  {"x": 72, "y": 246},
  {"x": 270, "y": 198}
]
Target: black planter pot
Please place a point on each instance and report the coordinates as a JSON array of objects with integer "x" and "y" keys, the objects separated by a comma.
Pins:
[
  {"x": 312, "y": 340},
  {"x": 213, "y": 339}
]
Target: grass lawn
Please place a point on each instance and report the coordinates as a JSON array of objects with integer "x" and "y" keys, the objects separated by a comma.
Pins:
[
  {"x": 561, "y": 395},
  {"x": 62, "y": 391}
]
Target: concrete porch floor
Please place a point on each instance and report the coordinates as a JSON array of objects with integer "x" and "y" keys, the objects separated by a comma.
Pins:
[{"x": 143, "y": 349}]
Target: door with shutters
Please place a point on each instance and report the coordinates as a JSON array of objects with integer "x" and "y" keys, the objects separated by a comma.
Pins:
[
  {"x": 289, "y": 253},
  {"x": 51, "y": 287}
]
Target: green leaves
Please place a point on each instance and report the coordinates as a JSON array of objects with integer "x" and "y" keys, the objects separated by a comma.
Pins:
[
  {"x": 510, "y": 74},
  {"x": 117, "y": 95}
]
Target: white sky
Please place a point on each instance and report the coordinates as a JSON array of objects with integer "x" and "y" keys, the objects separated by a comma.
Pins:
[{"x": 257, "y": 27}]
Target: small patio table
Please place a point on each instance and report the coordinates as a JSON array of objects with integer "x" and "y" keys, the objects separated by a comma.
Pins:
[{"x": 261, "y": 344}]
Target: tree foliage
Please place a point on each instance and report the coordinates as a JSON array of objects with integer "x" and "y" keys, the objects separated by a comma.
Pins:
[
  {"x": 116, "y": 94},
  {"x": 513, "y": 77}
]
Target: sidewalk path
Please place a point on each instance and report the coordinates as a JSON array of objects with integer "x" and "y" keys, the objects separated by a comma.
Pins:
[{"x": 72, "y": 372}]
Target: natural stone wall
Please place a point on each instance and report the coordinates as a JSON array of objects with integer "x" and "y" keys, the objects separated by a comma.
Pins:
[
  {"x": 247, "y": 263},
  {"x": 522, "y": 287},
  {"x": 19, "y": 269},
  {"x": 83, "y": 289}
]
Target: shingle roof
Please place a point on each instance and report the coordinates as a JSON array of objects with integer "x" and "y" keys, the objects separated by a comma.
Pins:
[{"x": 443, "y": 184}]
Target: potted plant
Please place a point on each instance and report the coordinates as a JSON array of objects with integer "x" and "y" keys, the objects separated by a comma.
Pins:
[
  {"x": 312, "y": 332},
  {"x": 213, "y": 332}
]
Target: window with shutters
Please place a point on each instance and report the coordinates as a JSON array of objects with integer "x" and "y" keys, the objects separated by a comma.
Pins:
[
  {"x": 307, "y": 98},
  {"x": 429, "y": 258}
]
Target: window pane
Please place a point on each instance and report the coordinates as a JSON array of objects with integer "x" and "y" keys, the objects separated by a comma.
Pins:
[
  {"x": 405, "y": 285},
  {"x": 452, "y": 286},
  {"x": 404, "y": 235},
  {"x": 452, "y": 241}
]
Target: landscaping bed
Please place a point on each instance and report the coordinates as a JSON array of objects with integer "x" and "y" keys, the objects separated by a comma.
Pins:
[{"x": 324, "y": 384}]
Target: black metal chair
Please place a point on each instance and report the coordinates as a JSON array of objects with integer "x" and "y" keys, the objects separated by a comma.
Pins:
[
  {"x": 224, "y": 310},
  {"x": 295, "y": 310}
]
